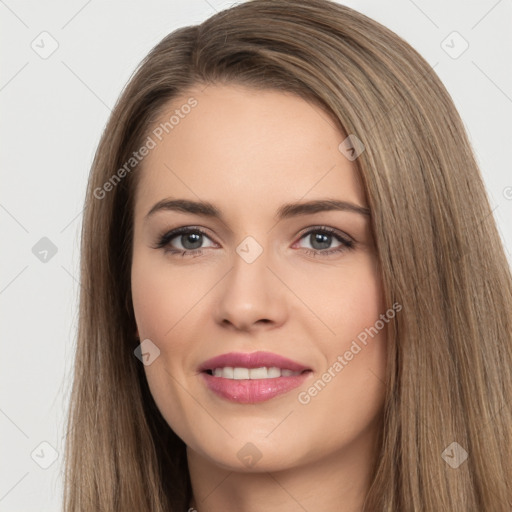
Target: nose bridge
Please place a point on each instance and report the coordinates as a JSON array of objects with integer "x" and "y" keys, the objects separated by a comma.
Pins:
[
  {"x": 250, "y": 264},
  {"x": 251, "y": 292}
]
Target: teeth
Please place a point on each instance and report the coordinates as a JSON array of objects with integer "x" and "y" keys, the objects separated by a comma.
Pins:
[
  {"x": 253, "y": 373},
  {"x": 274, "y": 372}
]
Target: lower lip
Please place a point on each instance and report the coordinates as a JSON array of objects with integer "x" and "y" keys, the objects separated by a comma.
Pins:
[{"x": 250, "y": 391}]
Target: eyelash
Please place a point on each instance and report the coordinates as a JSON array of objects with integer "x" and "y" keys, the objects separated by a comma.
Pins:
[{"x": 164, "y": 241}]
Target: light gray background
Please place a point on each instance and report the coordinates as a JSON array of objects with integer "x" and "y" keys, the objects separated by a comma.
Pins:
[{"x": 53, "y": 112}]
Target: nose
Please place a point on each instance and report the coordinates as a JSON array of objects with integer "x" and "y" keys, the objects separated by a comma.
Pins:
[{"x": 251, "y": 296}]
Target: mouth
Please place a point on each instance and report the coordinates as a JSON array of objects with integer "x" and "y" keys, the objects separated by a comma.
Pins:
[
  {"x": 252, "y": 365},
  {"x": 250, "y": 386},
  {"x": 261, "y": 373},
  {"x": 249, "y": 378}
]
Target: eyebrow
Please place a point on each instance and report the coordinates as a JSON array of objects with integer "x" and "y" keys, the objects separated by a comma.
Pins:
[{"x": 285, "y": 211}]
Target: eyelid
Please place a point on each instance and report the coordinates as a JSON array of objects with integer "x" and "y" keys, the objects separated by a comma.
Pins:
[
  {"x": 164, "y": 239},
  {"x": 329, "y": 229},
  {"x": 347, "y": 243}
]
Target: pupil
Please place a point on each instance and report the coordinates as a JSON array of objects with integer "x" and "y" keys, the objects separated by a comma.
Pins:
[
  {"x": 195, "y": 238},
  {"x": 323, "y": 239}
]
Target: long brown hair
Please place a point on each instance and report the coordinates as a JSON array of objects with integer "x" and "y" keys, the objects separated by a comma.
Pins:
[{"x": 449, "y": 374}]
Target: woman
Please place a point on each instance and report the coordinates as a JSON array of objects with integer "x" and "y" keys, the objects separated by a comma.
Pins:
[{"x": 294, "y": 293}]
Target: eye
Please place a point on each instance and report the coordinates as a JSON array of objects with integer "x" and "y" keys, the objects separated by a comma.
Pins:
[
  {"x": 188, "y": 241},
  {"x": 321, "y": 239}
]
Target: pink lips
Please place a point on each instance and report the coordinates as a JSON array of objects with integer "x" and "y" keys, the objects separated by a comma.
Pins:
[
  {"x": 252, "y": 360},
  {"x": 252, "y": 390}
]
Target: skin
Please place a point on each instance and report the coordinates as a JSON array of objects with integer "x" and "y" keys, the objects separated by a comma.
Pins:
[{"x": 248, "y": 152}]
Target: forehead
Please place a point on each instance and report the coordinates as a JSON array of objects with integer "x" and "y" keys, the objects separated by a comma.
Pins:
[{"x": 251, "y": 149}]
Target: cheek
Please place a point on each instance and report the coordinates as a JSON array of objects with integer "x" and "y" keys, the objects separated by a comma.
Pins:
[
  {"x": 364, "y": 332},
  {"x": 355, "y": 350},
  {"x": 362, "y": 303},
  {"x": 161, "y": 300},
  {"x": 161, "y": 296},
  {"x": 350, "y": 385},
  {"x": 348, "y": 301}
]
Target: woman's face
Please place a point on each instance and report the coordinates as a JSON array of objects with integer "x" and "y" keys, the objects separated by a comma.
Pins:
[{"x": 298, "y": 283}]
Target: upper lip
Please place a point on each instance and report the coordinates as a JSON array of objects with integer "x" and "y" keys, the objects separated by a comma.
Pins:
[{"x": 251, "y": 360}]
